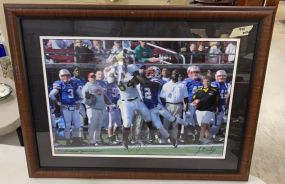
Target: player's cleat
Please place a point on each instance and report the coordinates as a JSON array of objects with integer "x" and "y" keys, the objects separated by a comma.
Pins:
[
  {"x": 206, "y": 141},
  {"x": 181, "y": 139},
  {"x": 125, "y": 145},
  {"x": 68, "y": 142},
  {"x": 140, "y": 142},
  {"x": 56, "y": 143},
  {"x": 133, "y": 141},
  {"x": 174, "y": 142},
  {"x": 91, "y": 144},
  {"x": 110, "y": 140},
  {"x": 116, "y": 142},
  {"x": 76, "y": 142},
  {"x": 97, "y": 143}
]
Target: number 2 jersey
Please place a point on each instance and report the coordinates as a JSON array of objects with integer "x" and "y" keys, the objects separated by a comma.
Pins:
[
  {"x": 67, "y": 91},
  {"x": 151, "y": 94}
]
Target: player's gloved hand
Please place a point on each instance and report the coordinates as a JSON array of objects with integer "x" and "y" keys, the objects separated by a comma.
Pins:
[{"x": 87, "y": 95}]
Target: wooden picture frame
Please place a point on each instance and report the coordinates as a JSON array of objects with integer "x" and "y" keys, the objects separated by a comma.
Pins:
[{"x": 26, "y": 23}]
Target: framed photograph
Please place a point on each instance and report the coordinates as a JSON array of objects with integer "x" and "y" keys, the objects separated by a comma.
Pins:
[{"x": 142, "y": 92}]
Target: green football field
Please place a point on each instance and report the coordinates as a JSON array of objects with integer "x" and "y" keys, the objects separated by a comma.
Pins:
[{"x": 212, "y": 150}]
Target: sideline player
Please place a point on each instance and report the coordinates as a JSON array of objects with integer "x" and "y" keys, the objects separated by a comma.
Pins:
[
  {"x": 113, "y": 112},
  {"x": 193, "y": 82},
  {"x": 151, "y": 88},
  {"x": 174, "y": 95},
  {"x": 224, "y": 89},
  {"x": 69, "y": 102},
  {"x": 130, "y": 100},
  {"x": 95, "y": 101},
  {"x": 81, "y": 82}
]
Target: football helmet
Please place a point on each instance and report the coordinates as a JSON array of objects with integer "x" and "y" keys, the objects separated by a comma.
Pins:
[
  {"x": 221, "y": 76},
  {"x": 193, "y": 68},
  {"x": 62, "y": 73},
  {"x": 152, "y": 71}
]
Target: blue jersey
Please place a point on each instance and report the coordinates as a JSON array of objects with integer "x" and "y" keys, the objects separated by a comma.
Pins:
[
  {"x": 150, "y": 95},
  {"x": 113, "y": 92},
  {"x": 67, "y": 91},
  {"x": 80, "y": 80},
  {"x": 192, "y": 86},
  {"x": 224, "y": 90},
  {"x": 103, "y": 84}
]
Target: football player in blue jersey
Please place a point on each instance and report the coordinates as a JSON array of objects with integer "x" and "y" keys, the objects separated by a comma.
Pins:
[
  {"x": 81, "y": 82},
  {"x": 52, "y": 118},
  {"x": 69, "y": 102},
  {"x": 114, "y": 112},
  {"x": 224, "y": 89},
  {"x": 150, "y": 88},
  {"x": 193, "y": 82}
]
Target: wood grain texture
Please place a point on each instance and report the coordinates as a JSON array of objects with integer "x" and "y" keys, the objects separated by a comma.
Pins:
[
  {"x": 272, "y": 2},
  {"x": 15, "y": 11},
  {"x": 257, "y": 2}
]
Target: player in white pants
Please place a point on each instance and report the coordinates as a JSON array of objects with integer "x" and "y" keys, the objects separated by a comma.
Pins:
[
  {"x": 224, "y": 89},
  {"x": 69, "y": 102},
  {"x": 129, "y": 100}
]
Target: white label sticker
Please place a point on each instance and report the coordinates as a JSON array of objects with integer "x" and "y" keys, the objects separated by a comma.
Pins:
[{"x": 241, "y": 31}]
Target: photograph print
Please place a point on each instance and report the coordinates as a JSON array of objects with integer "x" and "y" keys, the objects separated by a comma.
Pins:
[{"x": 139, "y": 97}]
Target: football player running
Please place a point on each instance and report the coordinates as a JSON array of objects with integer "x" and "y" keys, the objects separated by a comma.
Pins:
[
  {"x": 150, "y": 87},
  {"x": 224, "y": 89},
  {"x": 69, "y": 103}
]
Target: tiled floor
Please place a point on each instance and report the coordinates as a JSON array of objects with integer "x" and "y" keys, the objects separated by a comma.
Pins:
[{"x": 268, "y": 161}]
